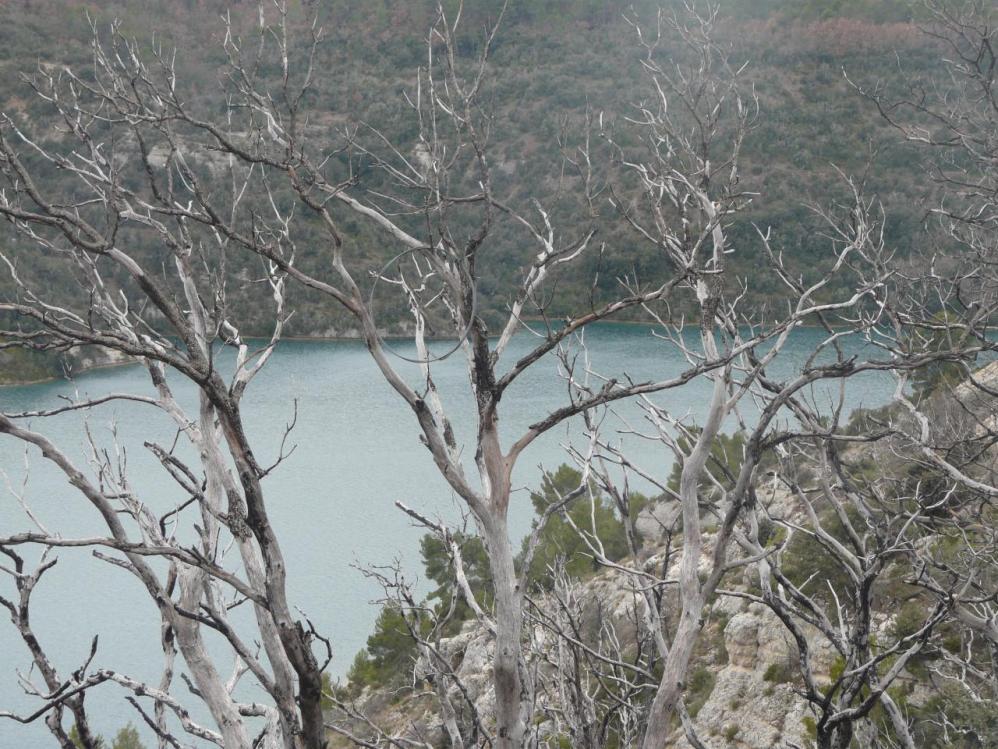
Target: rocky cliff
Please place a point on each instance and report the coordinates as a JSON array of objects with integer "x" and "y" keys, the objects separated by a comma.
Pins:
[{"x": 742, "y": 689}]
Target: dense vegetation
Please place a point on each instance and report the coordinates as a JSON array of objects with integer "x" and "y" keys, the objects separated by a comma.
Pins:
[
  {"x": 551, "y": 62},
  {"x": 391, "y": 650},
  {"x": 22, "y": 366}
]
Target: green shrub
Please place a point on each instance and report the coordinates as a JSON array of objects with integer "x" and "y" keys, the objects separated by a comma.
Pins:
[
  {"x": 780, "y": 672},
  {"x": 805, "y": 558},
  {"x": 810, "y": 727},
  {"x": 973, "y": 724},
  {"x": 953, "y": 642},
  {"x": 439, "y": 569},
  {"x": 389, "y": 655},
  {"x": 74, "y": 736},
  {"x": 698, "y": 689},
  {"x": 335, "y": 691},
  {"x": 390, "y": 650},
  {"x": 591, "y": 513},
  {"x": 127, "y": 738},
  {"x": 727, "y": 452},
  {"x": 909, "y": 620},
  {"x": 941, "y": 374}
]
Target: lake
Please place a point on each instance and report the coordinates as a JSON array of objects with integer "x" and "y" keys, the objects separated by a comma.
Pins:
[{"x": 332, "y": 501}]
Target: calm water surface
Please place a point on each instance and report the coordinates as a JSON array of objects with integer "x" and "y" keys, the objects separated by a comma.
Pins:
[{"x": 332, "y": 501}]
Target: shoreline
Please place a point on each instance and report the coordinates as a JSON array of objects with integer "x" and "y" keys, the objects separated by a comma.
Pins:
[
  {"x": 321, "y": 339},
  {"x": 57, "y": 378}
]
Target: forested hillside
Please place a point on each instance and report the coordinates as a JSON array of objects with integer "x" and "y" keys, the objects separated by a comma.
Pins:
[{"x": 553, "y": 62}]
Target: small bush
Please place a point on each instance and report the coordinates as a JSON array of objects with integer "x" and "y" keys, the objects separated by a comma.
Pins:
[
  {"x": 805, "y": 558},
  {"x": 780, "y": 672},
  {"x": 909, "y": 620},
  {"x": 810, "y": 727},
  {"x": 558, "y": 539},
  {"x": 127, "y": 738},
  {"x": 976, "y": 721},
  {"x": 389, "y": 655},
  {"x": 698, "y": 690}
]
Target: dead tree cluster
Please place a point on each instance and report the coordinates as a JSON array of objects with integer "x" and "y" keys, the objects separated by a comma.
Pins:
[{"x": 903, "y": 494}]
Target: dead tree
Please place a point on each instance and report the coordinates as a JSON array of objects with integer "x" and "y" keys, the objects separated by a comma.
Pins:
[
  {"x": 122, "y": 117},
  {"x": 857, "y": 535},
  {"x": 691, "y": 185},
  {"x": 25, "y": 581},
  {"x": 946, "y": 424},
  {"x": 254, "y": 181},
  {"x": 173, "y": 321}
]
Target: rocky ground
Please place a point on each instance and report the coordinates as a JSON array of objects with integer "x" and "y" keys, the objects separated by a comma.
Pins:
[{"x": 744, "y": 667}]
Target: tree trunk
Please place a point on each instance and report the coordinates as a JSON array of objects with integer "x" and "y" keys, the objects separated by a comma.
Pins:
[
  {"x": 507, "y": 680},
  {"x": 209, "y": 682},
  {"x": 691, "y": 592},
  {"x": 294, "y": 639},
  {"x": 673, "y": 682}
]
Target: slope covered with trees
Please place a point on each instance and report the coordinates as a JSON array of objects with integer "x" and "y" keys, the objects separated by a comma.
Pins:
[{"x": 553, "y": 62}]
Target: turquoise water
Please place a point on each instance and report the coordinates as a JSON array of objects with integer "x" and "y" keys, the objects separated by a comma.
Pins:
[{"x": 332, "y": 501}]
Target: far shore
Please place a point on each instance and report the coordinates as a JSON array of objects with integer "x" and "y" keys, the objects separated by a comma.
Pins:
[{"x": 332, "y": 339}]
